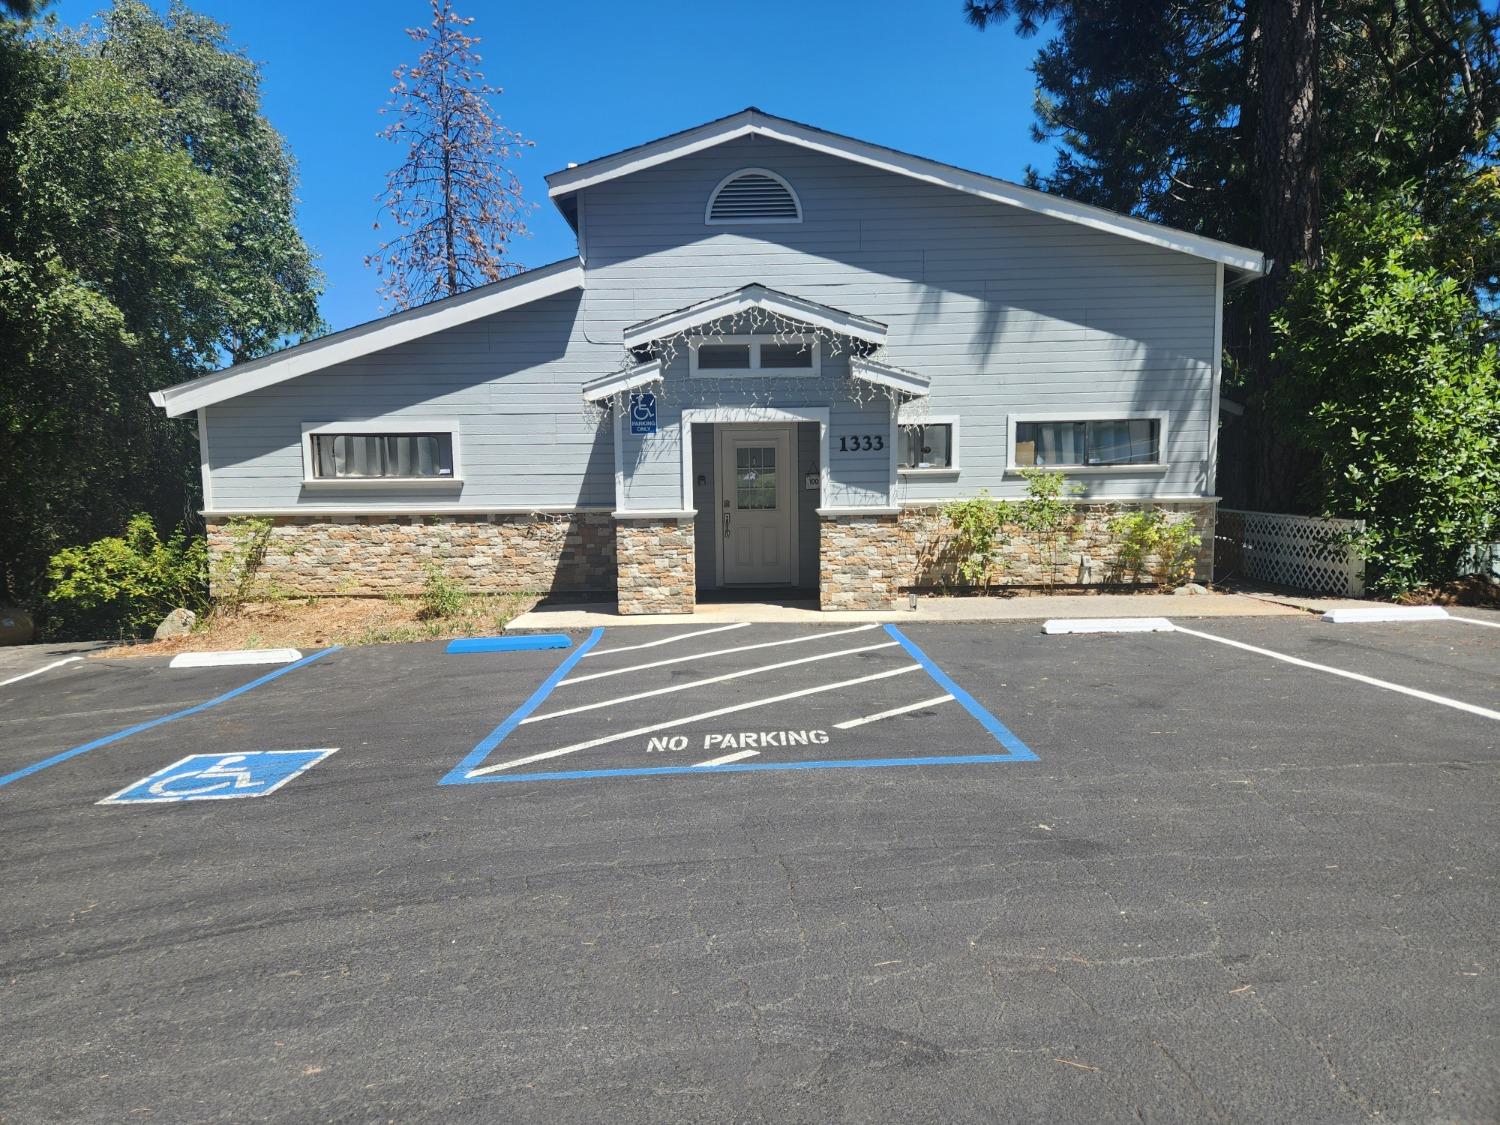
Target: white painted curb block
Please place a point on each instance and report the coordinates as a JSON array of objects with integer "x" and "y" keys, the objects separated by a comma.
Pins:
[
  {"x": 223, "y": 659},
  {"x": 1107, "y": 625},
  {"x": 1386, "y": 613}
]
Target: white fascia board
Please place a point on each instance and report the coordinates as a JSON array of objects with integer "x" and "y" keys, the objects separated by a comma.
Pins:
[
  {"x": 884, "y": 375},
  {"x": 1247, "y": 261},
  {"x": 755, "y": 297},
  {"x": 242, "y": 378},
  {"x": 618, "y": 381}
]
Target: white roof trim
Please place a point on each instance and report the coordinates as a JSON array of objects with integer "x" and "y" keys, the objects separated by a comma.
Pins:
[
  {"x": 884, "y": 375},
  {"x": 750, "y": 297},
  {"x": 752, "y": 122},
  {"x": 617, "y": 381},
  {"x": 325, "y": 351}
]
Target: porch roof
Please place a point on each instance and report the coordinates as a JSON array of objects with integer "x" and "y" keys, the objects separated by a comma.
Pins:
[
  {"x": 755, "y": 296},
  {"x": 884, "y": 375},
  {"x": 616, "y": 381}
]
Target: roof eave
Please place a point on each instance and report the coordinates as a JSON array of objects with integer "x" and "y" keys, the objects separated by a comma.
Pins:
[
  {"x": 565, "y": 183},
  {"x": 351, "y": 343}
]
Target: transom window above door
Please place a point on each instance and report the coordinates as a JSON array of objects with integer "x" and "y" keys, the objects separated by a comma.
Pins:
[{"x": 718, "y": 357}]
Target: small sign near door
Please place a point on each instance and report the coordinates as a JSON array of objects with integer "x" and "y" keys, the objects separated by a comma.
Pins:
[{"x": 643, "y": 413}]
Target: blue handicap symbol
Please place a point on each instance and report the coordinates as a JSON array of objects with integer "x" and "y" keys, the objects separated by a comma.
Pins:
[
  {"x": 220, "y": 777},
  {"x": 643, "y": 413}
]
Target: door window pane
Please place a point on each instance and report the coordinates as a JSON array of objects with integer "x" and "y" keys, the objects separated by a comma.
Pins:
[{"x": 755, "y": 478}]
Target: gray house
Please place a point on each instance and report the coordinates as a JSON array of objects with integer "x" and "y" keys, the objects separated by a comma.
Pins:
[{"x": 778, "y": 352}]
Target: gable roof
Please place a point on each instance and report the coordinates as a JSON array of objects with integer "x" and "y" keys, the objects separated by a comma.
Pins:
[
  {"x": 562, "y": 186},
  {"x": 351, "y": 343},
  {"x": 755, "y": 296}
]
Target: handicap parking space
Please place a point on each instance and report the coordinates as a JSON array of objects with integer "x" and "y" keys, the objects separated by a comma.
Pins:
[
  {"x": 740, "y": 699},
  {"x": 102, "y": 726}
]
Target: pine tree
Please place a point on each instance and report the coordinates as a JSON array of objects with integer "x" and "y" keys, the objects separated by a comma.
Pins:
[{"x": 454, "y": 196}]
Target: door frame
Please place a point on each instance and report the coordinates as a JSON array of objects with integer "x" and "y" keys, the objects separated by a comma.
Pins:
[{"x": 794, "y": 499}]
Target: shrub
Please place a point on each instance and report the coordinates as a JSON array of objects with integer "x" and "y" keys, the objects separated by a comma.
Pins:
[
  {"x": 1047, "y": 516},
  {"x": 441, "y": 597},
  {"x": 123, "y": 585},
  {"x": 237, "y": 568},
  {"x": 976, "y": 531},
  {"x": 1151, "y": 542}
]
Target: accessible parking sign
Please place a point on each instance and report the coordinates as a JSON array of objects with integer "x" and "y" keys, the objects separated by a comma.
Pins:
[{"x": 220, "y": 777}]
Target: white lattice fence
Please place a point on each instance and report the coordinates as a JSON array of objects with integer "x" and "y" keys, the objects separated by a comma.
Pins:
[{"x": 1303, "y": 552}]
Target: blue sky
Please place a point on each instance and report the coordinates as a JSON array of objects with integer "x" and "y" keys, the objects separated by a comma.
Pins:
[{"x": 586, "y": 78}]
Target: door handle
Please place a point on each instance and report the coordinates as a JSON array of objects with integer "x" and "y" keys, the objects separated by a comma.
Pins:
[{"x": 726, "y": 521}]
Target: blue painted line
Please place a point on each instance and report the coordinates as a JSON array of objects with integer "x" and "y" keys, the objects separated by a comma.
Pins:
[
  {"x": 149, "y": 724},
  {"x": 736, "y": 767},
  {"x": 509, "y": 644},
  {"x": 1020, "y": 752},
  {"x": 460, "y": 773}
]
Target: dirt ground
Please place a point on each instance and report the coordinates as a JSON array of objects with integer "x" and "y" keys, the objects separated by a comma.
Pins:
[{"x": 319, "y": 622}]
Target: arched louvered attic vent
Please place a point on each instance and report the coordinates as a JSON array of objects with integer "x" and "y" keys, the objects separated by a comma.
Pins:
[{"x": 753, "y": 195}]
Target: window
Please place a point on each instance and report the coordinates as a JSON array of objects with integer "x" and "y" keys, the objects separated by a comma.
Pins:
[
  {"x": 1088, "y": 442},
  {"x": 339, "y": 453},
  {"x": 753, "y": 195},
  {"x": 930, "y": 445},
  {"x": 717, "y": 356},
  {"x": 755, "y": 478}
]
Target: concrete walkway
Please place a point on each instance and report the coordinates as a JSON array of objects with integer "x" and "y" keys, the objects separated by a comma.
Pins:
[{"x": 1038, "y": 608}]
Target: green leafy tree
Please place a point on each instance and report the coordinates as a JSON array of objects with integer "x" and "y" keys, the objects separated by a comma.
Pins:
[
  {"x": 142, "y": 200},
  {"x": 1238, "y": 120},
  {"x": 1397, "y": 389}
]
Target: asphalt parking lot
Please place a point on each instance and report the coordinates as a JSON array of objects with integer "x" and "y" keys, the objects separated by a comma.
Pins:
[{"x": 923, "y": 873}]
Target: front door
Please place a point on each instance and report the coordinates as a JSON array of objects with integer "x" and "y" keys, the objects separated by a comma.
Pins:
[{"x": 756, "y": 473}]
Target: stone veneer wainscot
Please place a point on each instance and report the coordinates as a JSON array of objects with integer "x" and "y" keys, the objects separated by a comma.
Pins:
[
  {"x": 390, "y": 554},
  {"x": 657, "y": 564}
]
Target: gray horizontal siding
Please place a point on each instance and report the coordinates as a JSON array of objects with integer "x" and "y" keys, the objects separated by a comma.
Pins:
[
  {"x": 511, "y": 380},
  {"x": 1006, "y": 310}
]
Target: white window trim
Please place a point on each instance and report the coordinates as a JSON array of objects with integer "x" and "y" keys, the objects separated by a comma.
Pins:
[
  {"x": 755, "y": 370},
  {"x": 448, "y": 426},
  {"x": 952, "y": 470},
  {"x": 708, "y": 209},
  {"x": 1162, "y": 417}
]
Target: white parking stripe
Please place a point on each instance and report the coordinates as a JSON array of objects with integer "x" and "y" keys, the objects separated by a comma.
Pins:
[
  {"x": 666, "y": 640},
  {"x": 727, "y": 758},
  {"x": 1475, "y": 621},
  {"x": 1456, "y": 704},
  {"x": 39, "y": 671},
  {"x": 653, "y": 728},
  {"x": 892, "y": 713},
  {"x": 669, "y": 689},
  {"x": 819, "y": 636}
]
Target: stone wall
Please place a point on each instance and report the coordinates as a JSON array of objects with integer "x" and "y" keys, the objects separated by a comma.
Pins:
[
  {"x": 864, "y": 562},
  {"x": 387, "y": 554},
  {"x": 1089, "y": 558},
  {"x": 658, "y": 565}
]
